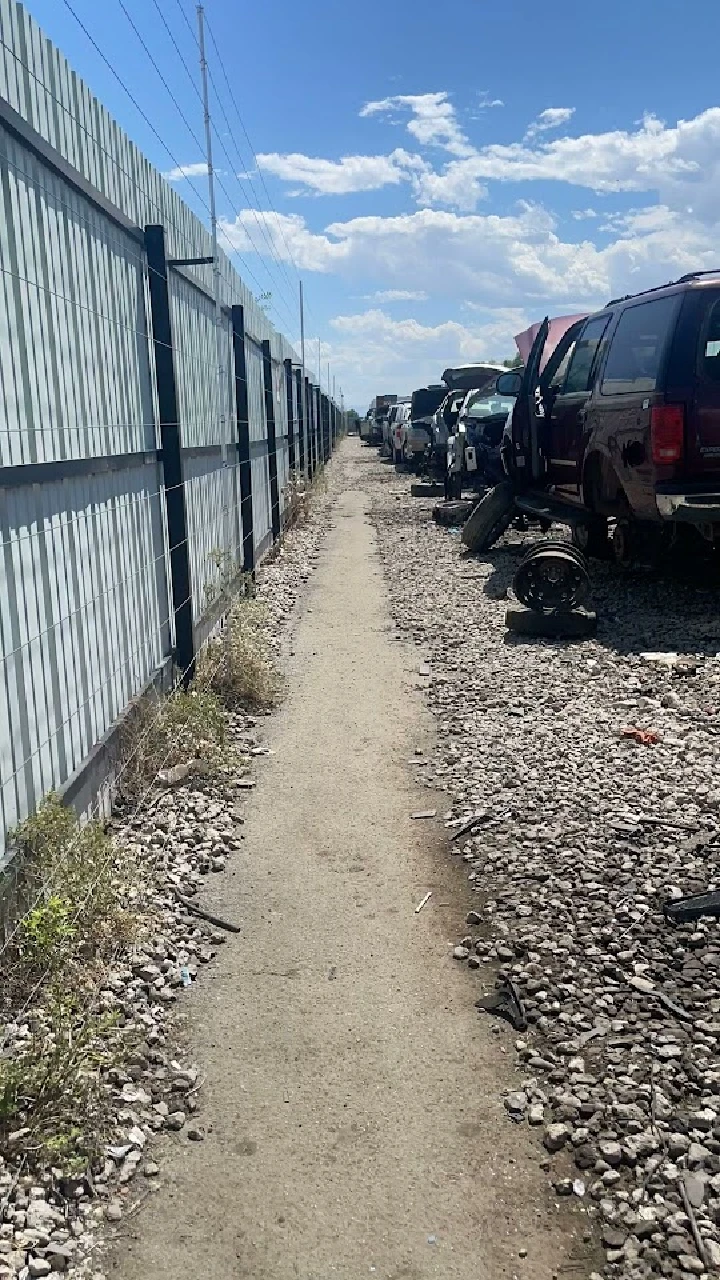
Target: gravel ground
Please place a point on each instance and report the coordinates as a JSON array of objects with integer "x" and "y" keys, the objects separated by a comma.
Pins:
[
  {"x": 188, "y": 833},
  {"x": 352, "y": 1102},
  {"x": 580, "y": 834}
]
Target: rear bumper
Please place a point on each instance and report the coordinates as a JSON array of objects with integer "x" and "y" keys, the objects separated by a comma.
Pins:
[
  {"x": 418, "y": 439},
  {"x": 688, "y": 508}
]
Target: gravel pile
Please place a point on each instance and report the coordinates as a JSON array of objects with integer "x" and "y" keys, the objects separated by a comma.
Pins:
[
  {"x": 51, "y": 1226},
  {"x": 580, "y": 831}
]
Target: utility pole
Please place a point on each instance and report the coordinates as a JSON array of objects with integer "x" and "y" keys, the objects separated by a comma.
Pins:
[
  {"x": 319, "y": 366},
  {"x": 303, "y": 393},
  {"x": 216, "y": 265}
]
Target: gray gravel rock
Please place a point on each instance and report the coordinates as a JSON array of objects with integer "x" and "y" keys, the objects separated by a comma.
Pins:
[{"x": 585, "y": 834}]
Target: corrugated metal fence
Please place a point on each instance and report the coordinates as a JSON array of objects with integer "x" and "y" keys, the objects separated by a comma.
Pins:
[{"x": 142, "y": 454}]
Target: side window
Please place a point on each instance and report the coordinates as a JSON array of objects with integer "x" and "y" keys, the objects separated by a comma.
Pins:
[
  {"x": 583, "y": 357},
  {"x": 637, "y": 347},
  {"x": 711, "y": 345},
  {"x": 558, "y": 376}
]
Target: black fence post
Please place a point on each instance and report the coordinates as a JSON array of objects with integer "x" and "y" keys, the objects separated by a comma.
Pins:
[
  {"x": 301, "y": 419},
  {"x": 272, "y": 439},
  {"x": 310, "y": 407},
  {"x": 243, "y": 440},
  {"x": 170, "y": 447},
  {"x": 290, "y": 414},
  {"x": 318, "y": 425}
]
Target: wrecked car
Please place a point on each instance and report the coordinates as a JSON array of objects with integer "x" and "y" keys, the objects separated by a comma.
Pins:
[
  {"x": 622, "y": 423},
  {"x": 419, "y": 434}
]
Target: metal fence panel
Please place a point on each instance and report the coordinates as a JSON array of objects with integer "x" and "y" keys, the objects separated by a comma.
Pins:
[
  {"x": 83, "y": 621},
  {"x": 86, "y": 619}
]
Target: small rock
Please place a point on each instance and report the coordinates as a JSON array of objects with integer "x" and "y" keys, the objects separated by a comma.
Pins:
[
  {"x": 695, "y": 1188},
  {"x": 516, "y": 1103},
  {"x": 460, "y": 953},
  {"x": 39, "y": 1267},
  {"x": 113, "y": 1211},
  {"x": 611, "y": 1152},
  {"x": 697, "y": 1155},
  {"x": 556, "y": 1135},
  {"x": 613, "y": 1237}
]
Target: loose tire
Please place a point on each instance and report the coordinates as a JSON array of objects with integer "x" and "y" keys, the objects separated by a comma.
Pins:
[
  {"x": 491, "y": 517},
  {"x": 452, "y": 514}
]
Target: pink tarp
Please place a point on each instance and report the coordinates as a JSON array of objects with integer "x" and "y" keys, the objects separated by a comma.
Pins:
[{"x": 558, "y": 327}]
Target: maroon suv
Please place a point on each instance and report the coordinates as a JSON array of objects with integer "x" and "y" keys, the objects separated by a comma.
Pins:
[{"x": 624, "y": 420}]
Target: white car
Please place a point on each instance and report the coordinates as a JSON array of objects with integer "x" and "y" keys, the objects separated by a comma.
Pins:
[{"x": 398, "y": 430}]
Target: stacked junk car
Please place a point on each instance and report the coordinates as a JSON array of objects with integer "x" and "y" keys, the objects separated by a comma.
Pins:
[{"x": 600, "y": 441}]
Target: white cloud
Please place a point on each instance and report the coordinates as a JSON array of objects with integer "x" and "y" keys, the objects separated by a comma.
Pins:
[
  {"x": 397, "y": 295},
  {"x": 374, "y": 349},
  {"x": 484, "y": 101},
  {"x": 550, "y": 118},
  {"x": 196, "y": 170},
  {"x": 433, "y": 121},
  {"x": 584, "y": 215},
  {"x": 340, "y": 177},
  {"x": 518, "y": 259}
]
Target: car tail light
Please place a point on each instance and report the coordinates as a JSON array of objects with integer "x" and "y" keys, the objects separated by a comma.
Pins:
[{"x": 667, "y": 433}]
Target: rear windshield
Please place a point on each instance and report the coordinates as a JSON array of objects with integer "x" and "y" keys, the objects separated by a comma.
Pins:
[
  {"x": 427, "y": 400},
  {"x": 711, "y": 344},
  {"x": 637, "y": 347}
]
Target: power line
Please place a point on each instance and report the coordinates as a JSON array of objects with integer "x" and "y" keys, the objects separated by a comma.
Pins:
[
  {"x": 252, "y": 149},
  {"x": 148, "y": 121},
  {"x": 254, "y": 208},
  {"x": 184, "y": 119},
  {"x": 198, "y": 95}
]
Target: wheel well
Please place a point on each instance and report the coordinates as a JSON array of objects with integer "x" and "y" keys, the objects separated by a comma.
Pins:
[{"x": 602, "y": 488}]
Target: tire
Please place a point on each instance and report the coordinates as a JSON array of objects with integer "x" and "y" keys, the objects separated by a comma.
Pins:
[
  {"x": 592, "y": 538},
  {"x": 564, "y": 626},
  {"x": 490, "y": 518},
  {"x": 452, "y": 514}
]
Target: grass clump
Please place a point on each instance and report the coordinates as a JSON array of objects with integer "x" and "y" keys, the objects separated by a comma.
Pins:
[
  {"x": 161, "y": 734},
  {"x": 78, "y": 887},
  {"x": 237, "y": 667},
  {"x": 77, "y": 896},
  {"x": 55, "y": 1108}
]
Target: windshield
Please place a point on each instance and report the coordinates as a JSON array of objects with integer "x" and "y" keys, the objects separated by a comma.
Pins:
[{"x": 489, "y": 406}]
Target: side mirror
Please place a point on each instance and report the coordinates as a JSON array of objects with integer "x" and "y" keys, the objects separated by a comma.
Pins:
[{"x": 509, "y": 384}]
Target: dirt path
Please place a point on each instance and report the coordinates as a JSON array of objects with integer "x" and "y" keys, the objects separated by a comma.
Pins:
[{"x": 352, "y": 1090}]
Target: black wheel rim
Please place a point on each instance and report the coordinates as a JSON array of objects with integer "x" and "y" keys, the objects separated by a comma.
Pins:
[{"x": 552, "y": 577}]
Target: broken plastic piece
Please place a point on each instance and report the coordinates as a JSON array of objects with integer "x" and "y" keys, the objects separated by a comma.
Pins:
[
  {"x": 506, "y": 1003},
  {"x": 681, "y": 910}
]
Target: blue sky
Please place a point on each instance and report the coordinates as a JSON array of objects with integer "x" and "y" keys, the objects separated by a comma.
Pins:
[{"x": 443, "y": 175}]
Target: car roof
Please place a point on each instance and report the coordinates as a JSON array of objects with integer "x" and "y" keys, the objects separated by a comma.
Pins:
[{"x": 693, "y": 280}]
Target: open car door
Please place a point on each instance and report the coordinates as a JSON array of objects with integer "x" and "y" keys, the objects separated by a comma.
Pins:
[
  {"x": 534, "y": 400},
  {"x": 524, "y": 461}
]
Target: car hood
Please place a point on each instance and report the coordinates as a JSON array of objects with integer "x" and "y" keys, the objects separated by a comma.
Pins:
[
  {"x": 471, "y": 377},
  {"x": 524, "y": 341}
]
